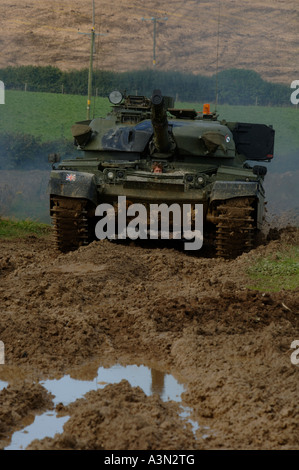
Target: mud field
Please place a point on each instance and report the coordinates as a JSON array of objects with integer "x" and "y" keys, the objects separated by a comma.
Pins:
[{"x": 192, "y": 318}]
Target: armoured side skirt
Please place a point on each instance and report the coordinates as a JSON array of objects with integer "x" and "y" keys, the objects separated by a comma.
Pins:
[
  {"x": 73, "y": 184},
  {"x": 228, "y": 189}
]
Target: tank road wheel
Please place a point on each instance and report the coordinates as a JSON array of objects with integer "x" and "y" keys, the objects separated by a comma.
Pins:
[
  {"x": 235, "y": 227},
  {"x": 71, "y": 218}
]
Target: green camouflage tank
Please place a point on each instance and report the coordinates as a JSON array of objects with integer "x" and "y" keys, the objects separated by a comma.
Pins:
[{"x": 151, "y": 152}]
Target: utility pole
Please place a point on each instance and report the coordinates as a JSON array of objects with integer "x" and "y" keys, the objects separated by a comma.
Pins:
[
  {"x": 154, "y": 20},
  {"x": 92, "y": 35}
]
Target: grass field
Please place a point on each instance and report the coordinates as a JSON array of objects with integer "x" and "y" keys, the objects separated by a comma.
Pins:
[
  {"x": 50, "y": 116},
  {"x": 280, "y": 271},
  {"x": 23, "y": 228}
]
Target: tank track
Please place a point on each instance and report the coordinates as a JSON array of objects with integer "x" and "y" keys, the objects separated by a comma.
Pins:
[
  {"x": 71, "y": 228},
  {"x": 235, "y": 229}
]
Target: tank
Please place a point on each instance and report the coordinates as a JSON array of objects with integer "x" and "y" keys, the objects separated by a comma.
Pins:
[{"x": 151, "y": 152}]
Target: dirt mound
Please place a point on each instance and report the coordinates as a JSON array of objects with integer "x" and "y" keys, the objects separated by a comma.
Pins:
[
  {"x": 194, "y": 316},
  {"x": 19, "y": 404},
  {"x": 138, "y": 422}
]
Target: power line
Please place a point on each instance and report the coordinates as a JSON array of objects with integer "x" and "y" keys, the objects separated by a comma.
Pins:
[
  {"x": 154, "y": 19},
  {"x": 217, "y": 58},
  {"x": 92, "y": 35}
]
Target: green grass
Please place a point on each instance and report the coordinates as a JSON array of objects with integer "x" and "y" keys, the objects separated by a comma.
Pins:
[
  {"x": 48, "y": 116},
  {"x": 23, "y": 228},
  {"x": 276, "y": 272}
]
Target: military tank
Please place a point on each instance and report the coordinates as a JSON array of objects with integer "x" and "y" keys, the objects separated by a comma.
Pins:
[{"x": 152, "y": 152}]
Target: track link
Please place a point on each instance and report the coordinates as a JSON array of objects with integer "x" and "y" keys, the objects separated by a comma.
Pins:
[
  {"x": 70, "y": 223},
  {"x": 235, "y": 228}
]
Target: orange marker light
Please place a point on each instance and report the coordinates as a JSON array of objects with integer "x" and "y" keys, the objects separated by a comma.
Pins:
[{"x": 206, "y": 108}]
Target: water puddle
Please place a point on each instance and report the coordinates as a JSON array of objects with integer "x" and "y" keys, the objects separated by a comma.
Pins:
[
  {"x": 3, "y": 385},
  {"x": 67, "y": 390}
]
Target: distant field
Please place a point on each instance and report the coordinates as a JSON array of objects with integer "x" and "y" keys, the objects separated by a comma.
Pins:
[
  {"x": 50, "y": 116},
  {"x": 45, "y": 115}
]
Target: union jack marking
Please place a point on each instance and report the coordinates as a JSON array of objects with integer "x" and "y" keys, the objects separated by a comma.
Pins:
[{"x": 70, "y": 177}]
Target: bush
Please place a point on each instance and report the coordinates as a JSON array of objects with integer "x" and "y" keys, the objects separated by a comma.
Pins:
[{"x": 26, "y": 152}]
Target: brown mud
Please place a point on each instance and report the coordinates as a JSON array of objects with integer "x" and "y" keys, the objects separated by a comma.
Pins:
[{"x": 194, "y": 317}]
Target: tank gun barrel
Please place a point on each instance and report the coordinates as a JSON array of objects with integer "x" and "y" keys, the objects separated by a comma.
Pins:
[{"x": 162, "y": 141}]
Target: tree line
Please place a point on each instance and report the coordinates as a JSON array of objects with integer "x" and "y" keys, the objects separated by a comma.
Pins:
[{"x": 233, "y": 86}]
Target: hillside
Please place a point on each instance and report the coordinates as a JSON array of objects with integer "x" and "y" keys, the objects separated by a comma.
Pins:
[{"x": 252, "y": 34}]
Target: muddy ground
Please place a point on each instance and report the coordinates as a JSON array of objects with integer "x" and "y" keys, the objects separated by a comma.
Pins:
[{"x": 190, "y": 316}]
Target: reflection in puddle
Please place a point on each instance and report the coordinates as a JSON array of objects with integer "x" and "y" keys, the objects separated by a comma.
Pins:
[
  {"x": 67, "y": 390},
  {"x": 3, "y": 384},
  {"x": 45, "y": 425},
  {"x": 158, "y": 379}
]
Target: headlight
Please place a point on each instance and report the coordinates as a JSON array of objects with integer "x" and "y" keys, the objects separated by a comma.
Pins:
[
  {"x": 189, "y": 178},
  {"x": 120, "y": 174},
  {"x": 200, "y": 181},
  {"x": 114, "y": 176}
]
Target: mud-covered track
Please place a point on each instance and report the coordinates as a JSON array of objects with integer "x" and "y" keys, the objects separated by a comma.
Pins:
[
  {"x": 235, "y": 229},
  {"x": 70, "y": 223}
]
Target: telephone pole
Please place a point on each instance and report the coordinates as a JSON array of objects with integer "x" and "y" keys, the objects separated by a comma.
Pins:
[
  {"x": 154, "y": 20},
  {"x": 92, "y": 35}
]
